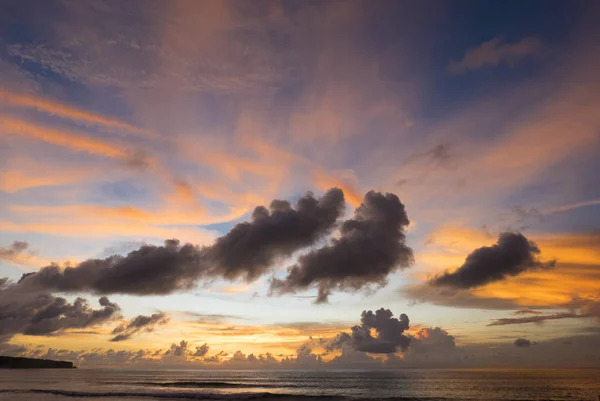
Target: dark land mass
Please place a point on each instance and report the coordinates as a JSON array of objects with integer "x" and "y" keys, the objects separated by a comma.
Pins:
[{"x": 9, "y": 362}]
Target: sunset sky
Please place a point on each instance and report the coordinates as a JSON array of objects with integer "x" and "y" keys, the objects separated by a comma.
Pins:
[{"x": 475, "y": 124}]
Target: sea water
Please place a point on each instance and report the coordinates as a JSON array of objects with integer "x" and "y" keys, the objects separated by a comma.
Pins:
[{"x": 305, "y": 385}]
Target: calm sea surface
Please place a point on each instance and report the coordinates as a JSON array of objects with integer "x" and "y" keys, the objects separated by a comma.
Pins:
[{"x": 408, "y": 384}]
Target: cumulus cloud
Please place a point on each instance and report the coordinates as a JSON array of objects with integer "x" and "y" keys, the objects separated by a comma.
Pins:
[
  {"x": 495, "y": 52},
  {"x": 248, "y": 251},
  {"x": 388, "y": 336},
  {"x": 138, "y": 324},
  {"x": 371, "y": 246},
  {"x": 512, "y": 255},
  {"x": 251, "y": 248},
  {"x": 178, "y": 350},
  {"x": 201, "y": 351},
  {"x": 42, "y": 313},
  {"x": 522, "y": 343}
]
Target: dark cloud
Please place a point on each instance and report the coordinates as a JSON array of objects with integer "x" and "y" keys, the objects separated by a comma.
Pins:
[
  {"x": 180, "y": 350},
  {"x": 388, "y": 337},
  {"x": 42, "y": 313},
  {"x": 202, "y": 350},
  {"x": 522, "y": 343},
  {"x": 14, "y": 250},
  {"x": 145, "y": 271},
  {"x": 370, "y": 247},
  {"x": 138, "y": 324},
  {"x": 248, "y": 251},
  {"x": 510, "y": 256}
]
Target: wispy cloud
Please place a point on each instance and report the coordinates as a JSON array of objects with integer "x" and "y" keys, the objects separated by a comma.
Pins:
[
  {"x": 495, "y": 52},
  {"x": 71, "y": 113}
]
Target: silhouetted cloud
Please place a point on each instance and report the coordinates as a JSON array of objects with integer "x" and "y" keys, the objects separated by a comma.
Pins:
[
  {"x": 370, "y": 247},
  {"x": 510, "y": 256},
  {"x": 138, "y": 324},
  {"x": 178, "y": 350},
  {"x": 522, "y": 343},
  {"x": 202, "y": 350},
  {"x": 388, "y": 337},
  {"x": 248, "y": 251},
  {"x": 145, "y": 271},
  {"x": 41, "y": 313}
]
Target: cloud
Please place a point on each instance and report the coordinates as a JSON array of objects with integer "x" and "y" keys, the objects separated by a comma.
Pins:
[
  {"x": 41, "y": 313},
  {"x": 512, "y": 255},
  {"x": 178, "y": 350},
  {"x": 495, "y": 52},
  {"x": 371, "y": 247},
  {"x": 522, "y": 343},
  {"x": 526, "y": 312},
  {"x": 250, "y": 248},
  {"x": 445, "y": 296},
  {"x": 388, "y": 333},
  {"x": 67, "y": 112},
  {"x": 75, "y": 141},
  {"x": 201, "y": 351},
  {"x": 212, "y": 317},
  {"x": 138, "y": 324},
  {"x": 15, "y": 251},
  {"x": 578, "y": 308},
  {"x": 248, "y": 251}
]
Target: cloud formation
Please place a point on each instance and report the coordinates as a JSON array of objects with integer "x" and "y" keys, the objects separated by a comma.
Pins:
[
  {"x": 371, "y": 246},
  {"x": 495, "y": 52},
  {"x": 41, "y": 313},
  {"x": 14, "y": 250},
  {"x": 138, "y": 324},
  {"x": 388, "y": 337},
  {"x": 248, "y": 251},
  {"x": 250, "y": 248},
  {"x": 522, "y": 343},
  {"x": 512, "y": 255}
]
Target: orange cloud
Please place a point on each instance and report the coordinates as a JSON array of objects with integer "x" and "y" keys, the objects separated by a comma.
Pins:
[
  {"x": 96, "y": 213},
  {"x": 576, "y": 272},
  {"x": 70, "y": 140},
  {"x": 324, "y": 180},
  {"x": 17, "y": 180},
  {"x": 106, "y": 229},
  {"x": 67, "y": 112}
]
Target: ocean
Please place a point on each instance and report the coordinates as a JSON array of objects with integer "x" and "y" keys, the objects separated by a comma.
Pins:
[{"x": 299, "y": 385}]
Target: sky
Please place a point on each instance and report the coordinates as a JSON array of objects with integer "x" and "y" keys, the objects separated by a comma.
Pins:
[{"x": 301, "y": 184}]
